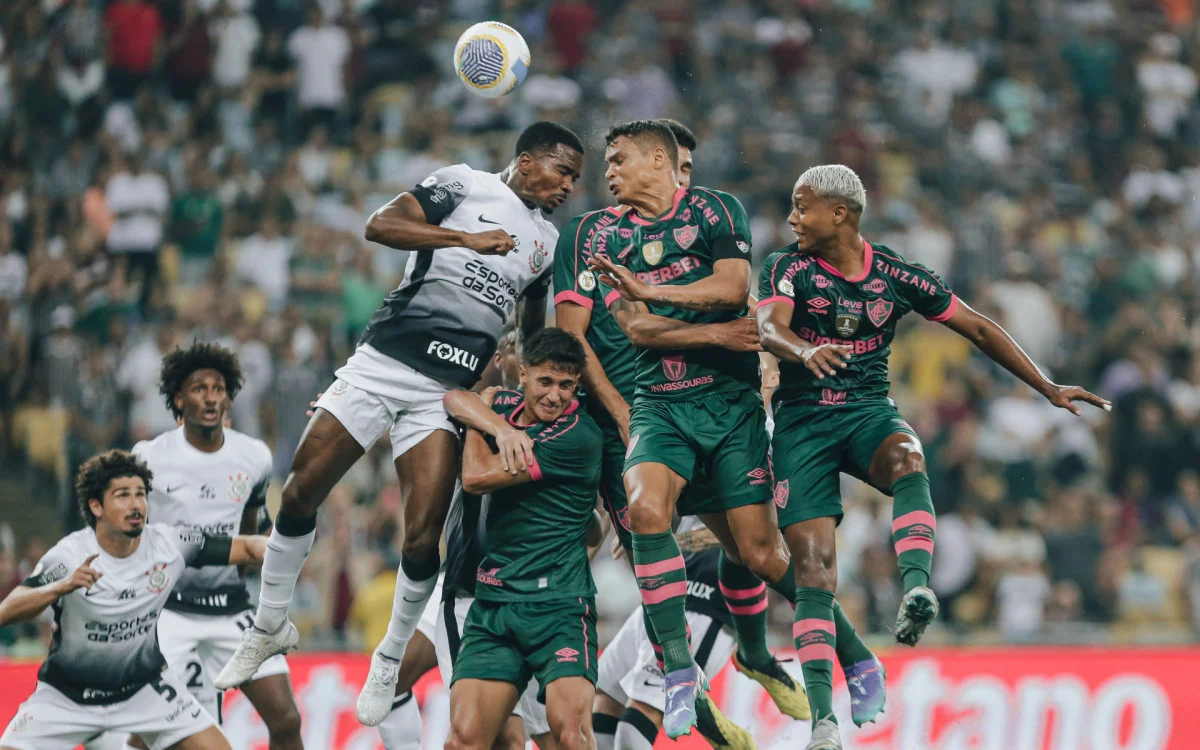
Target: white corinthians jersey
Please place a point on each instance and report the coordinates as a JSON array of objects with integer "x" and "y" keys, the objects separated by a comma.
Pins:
[
  {"x": 207, "y": 491},
  {"x": 105, "y": 645},
  {"x": 446, "y": 317}
]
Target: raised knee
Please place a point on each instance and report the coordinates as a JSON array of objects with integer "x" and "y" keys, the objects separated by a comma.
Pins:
[
  {"x": 760, "y": 558},
  {"x": 816, "y": 567},
  {"x": 284, "y": 724},
  {"x": 647, "y": 518},
  {"x": 456, "y": 741},
  {"x": 297, "y": 499},
  {"x": 910, "y": 462}
]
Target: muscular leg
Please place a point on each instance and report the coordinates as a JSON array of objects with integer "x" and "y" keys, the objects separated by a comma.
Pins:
[
  {"x": 569, "y": 712},
  {"x": 272, "y": 698},
  {"x": 209, "y": 739},
  {"x": 899, "y": 463},
  {"x": 426, "y": 474},
  {"x": 653, "y": 490},
  {"x": 326, "y": 452},
  {"x": 401, "y": 730},
  {"x": 606, "y": 712},
  {"x": 512, "y": 736},
  {"x": 813, "y": 547},
  {"x": 478, "y": 711},
  {"x": 639, "y": 727}
]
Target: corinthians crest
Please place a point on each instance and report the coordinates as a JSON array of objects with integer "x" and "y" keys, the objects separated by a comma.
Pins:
[
  {"x": 653, "y": 252},
  {"x": 157, "y": 579},
  {"x": 239, "y": 487}
]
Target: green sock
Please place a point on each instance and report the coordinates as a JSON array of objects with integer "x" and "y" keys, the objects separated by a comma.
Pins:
[
  {"x": 662, "y": 580},
  {"x": 850, "y": 648},
  {"x": 746, "y": 597},
  {"x": 816, "y": 648},
  {"x": 786, "y": 586},
  {"x": 913, "y": 528}
]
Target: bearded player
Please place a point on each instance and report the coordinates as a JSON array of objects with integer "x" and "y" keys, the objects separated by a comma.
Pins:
[
  {"x": 682, "y": 255},
  {"x": 107, "y": 585},
  {"x": 482, "y": 246},
  {"x": 829, "y": 309}
]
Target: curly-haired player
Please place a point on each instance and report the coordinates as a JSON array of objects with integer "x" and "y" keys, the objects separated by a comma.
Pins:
[
  {"x": 107, "y": 585},
  {"x": 215, "y": 479}
]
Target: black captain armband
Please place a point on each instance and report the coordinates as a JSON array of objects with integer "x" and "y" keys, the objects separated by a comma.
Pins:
[
  {"x": 214, "y": 550},
  {"x": 731, "y": 246},
  {"x": 439, "y": 199}
]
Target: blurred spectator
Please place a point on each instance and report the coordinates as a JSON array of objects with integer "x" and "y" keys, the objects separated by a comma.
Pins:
[
  {"x": 137, "y": 376},
  {"x": 96, "y": 421},
  {"x": 134, "y": 31},
  {"x": 236, "y": 37},
  {"x": 139, "y": 201},
  {"x": 1169, "y": 85},
  {"x": 321, "y": 51},
  {"x": 263, "y": 261}
]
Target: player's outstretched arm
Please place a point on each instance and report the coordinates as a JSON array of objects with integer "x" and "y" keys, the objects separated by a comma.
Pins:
[
  {"x": 474, "y": 410},
  {"x": 27, "y": 602},
  {"x": 575, "y": 319},
  {"x": 777, "y": 337},
  {"x": 247, "y": 551},
  {"x": 483, "y": 471},
  {"x": 995, "y": 342},
  {"x": 725, "y": 289},
  {"x": 401, "y": 224}
]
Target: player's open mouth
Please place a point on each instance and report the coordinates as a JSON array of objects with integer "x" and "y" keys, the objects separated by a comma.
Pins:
[
  {"x": 209, "y": 413},
  {"x": 135, "y": 518}
]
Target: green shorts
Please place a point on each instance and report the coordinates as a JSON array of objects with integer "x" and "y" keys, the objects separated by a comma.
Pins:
[
  {"x": 516, "y": 641},
  {"x": 813, "y": 444},
  {"x": 722, "y": 437}
]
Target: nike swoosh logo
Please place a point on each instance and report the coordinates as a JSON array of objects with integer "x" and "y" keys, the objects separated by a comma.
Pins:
[
  {"x": 175, "y": 488},
  {"x": 648, "y": 683},
  {"x": 487, "y": 221},
  {"x": 89, "y": 592},
  {"x": 197, "y": 713},
  {"x": 412, "y": 601}
]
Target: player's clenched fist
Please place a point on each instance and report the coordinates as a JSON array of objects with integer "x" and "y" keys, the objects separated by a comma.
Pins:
[
  {"x": 821, "y": 360},
  {"x": 491, "y": 242},
  {"x": 83, "y": 577}
]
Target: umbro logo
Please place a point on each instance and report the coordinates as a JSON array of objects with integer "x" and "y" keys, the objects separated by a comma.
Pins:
[
  {"x": 567, "y": 654},
  {"x": 817, "y": 305},
  {"x": 758, "y": 476}
]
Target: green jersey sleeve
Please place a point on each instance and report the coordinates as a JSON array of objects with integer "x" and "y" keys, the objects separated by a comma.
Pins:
[
  {"x": 569, "y": 449},
  {"x": 928, "y": 294},
  {"x": 775, "y": 279},
  {"x": 725, "y": 222},
  {"x": 573, "y": 280}
]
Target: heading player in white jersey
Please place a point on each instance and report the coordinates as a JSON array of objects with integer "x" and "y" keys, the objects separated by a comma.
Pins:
[
  {"x": 215, "y": 479},
  {"x": 107, "y": 585},
  {"x": 482, "y": 243}
]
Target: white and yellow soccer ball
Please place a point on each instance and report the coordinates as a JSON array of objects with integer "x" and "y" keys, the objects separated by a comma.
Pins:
[{"x": 491, "y": 58}]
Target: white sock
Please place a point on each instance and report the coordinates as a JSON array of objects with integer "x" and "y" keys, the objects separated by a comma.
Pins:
[
  {"x": 281, "y": 567},
  {"x": 401, "y": 729},
  {"x": 407, "y": 608},
  {"x": 630, "y": 737}
]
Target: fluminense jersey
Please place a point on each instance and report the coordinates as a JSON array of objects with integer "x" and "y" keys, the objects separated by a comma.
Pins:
[
  {"x": 536, "y": 545},
  {"x": 208, "y": 491},
  {"x": 105, "y": 645},
  {"x": 575, "y": 282},
  {"x": 681, "y": 247},
  {"x": 446, "y": 317},
  {"x": 861, "y": 313}
]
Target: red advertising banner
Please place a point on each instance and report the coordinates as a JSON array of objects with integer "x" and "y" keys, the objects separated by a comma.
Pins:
[{"x": 938, "y": 699}]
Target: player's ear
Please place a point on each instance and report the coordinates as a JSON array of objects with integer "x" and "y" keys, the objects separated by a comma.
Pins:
[
  {"x": 96, "y": 507},
  {"x": 521, "y": 375}
]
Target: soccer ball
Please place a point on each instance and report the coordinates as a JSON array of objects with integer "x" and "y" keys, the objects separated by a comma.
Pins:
[{"x": 491, "y": 58}]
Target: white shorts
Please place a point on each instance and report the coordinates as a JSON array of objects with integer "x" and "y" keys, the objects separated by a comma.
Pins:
[
  {"x": 427, "y": 625},
  {"x": 532, "y": 713},
  {"x": 197, "y": 648},
  {"x": 374, "y": 394},
  {"x": 49, "y": 720},
  {"x": 628, "y": 670}
]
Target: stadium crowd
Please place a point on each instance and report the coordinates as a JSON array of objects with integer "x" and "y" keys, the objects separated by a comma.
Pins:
[{"x": 204, "y": 168}]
